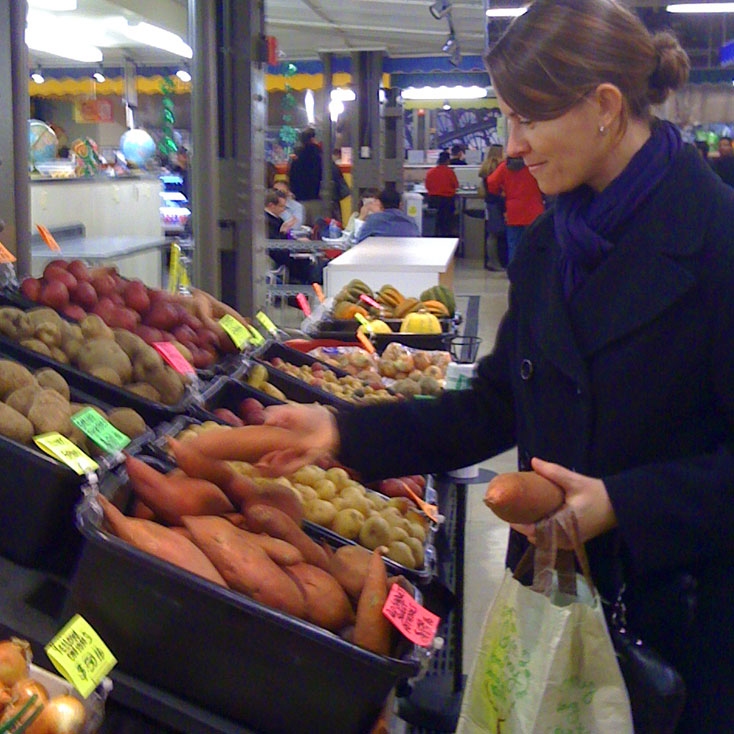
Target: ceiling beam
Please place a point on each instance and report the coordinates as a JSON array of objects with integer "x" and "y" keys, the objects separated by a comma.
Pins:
[{"x": 291, "y": 23}]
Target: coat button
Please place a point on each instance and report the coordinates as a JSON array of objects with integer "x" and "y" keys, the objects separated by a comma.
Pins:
[
  {"x": 526, "y": 369},
  {"x": 524, "y": 462}
]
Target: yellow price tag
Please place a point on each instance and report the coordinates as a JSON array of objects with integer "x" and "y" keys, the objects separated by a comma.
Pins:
[
  {"x": 79, "y": 654},
  {"x": 65, "y": 451},
  {"x": 267, "y": 323},
  {"x": 236, "y": 331},
  {"x": 257, "y": 337},
  {"x": 174, "y": 274}
]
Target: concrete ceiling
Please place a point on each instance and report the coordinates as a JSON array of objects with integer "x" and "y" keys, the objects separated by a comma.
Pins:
[{"x": 400, "y": 27}]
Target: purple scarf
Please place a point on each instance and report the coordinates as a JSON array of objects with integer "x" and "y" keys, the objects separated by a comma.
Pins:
[{"x": 584, "y": 219}]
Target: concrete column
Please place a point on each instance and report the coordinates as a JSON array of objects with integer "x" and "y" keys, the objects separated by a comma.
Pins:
[{"x": 326, "y": 192}]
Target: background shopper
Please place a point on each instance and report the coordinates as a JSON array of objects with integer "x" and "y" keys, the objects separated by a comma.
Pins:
[
  {"x": 304, "y": 175},
  {"x": 441, "y": 185},
  {"x": 612, "y": 367},
  {"x": 386, "y": 219}
]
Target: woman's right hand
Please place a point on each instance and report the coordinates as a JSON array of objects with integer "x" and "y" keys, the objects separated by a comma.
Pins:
[{"x": 316, "y": 432}]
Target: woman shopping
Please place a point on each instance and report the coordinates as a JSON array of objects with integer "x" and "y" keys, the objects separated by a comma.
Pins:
[{"x": 612, "y": 370}]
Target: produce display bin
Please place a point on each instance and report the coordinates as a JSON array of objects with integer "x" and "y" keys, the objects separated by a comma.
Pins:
[
  {"x": 220, "y": 649},
  {"x": 37, "y": 500},
  {"x": 225, "y": 392},
  {"x": 273, "y": 349}
]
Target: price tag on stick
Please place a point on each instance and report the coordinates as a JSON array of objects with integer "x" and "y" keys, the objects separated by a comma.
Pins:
[
  {"x": 414, "y": 621},
  {"x": 174, "y": 358},
  {"x": 236, "y": 331},
  {"x": 48, "y": 238},
  {"x": 79, "y": 654},
  {"x": 362, "y": 320},
  {"x": 58, "y": 446},
  {"x": 100, "y": 430},
  {"x": 369, "y": 301},
  {"x": 5, "y": 255},
  {"x": 319, "y": 292},
  {"x": 267, "y": 323},
  {"x": 303, "y": 303},
  {"x": 256, "y": 337},
  {"x": 365, "y": 342}
]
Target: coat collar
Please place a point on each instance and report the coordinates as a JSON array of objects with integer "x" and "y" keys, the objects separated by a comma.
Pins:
[{"x": 643, "y": 275}]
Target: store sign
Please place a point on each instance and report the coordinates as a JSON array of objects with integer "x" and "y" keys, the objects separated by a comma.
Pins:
[
  {"x": 414, "y": 621},
  {"x": 79, "y": 654},
  {"x": 93, "y": 111}
]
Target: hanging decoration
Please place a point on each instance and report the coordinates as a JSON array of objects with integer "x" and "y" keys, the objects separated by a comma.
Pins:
[
  {"x": 167, "y": 145},
  {"x": 288, "y": 134}
]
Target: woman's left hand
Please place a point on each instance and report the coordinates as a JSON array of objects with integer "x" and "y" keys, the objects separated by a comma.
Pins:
[{"x": 586, "y": 496}]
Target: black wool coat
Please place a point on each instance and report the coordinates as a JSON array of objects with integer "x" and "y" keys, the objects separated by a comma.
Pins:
[{"x": 632, "y": 381}]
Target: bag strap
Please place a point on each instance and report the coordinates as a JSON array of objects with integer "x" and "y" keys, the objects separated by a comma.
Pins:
[{"x": 569, "y": 524}]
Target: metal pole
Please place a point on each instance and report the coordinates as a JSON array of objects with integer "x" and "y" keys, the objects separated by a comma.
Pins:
[
  {"x": 204, "y": 135},
  {"x": 21, "y": 113},
  {"x": 485, "y": 21},
  {"x": 326, "y": 192}
]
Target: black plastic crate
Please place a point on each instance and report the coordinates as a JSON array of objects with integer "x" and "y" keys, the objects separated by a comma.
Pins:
[
  {"x": 273, "y": 349},
  {"x": 226, "y": 392},
  {"x": 220, "y": 649}
]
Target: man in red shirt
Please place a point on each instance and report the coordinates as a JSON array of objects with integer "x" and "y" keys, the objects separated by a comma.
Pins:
[
  {"x": 523, "y": 200},
  {"x": 441, "y": 185}
]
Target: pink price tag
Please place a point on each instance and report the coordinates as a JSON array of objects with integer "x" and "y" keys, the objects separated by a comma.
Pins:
[
  {"x": 371, "y": 301},
  {"x": 304, "y": 304},
  {"x": 414, "y": 621},
  {"x": 171, "y": 355}
]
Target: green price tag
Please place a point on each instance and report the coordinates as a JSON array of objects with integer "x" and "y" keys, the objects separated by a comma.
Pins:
[
  {"x": 100, "y": 430},
  {"x": 79, "y": 654},
  {"x": 362, "y": 320},
  {"x": 236, "y": 331},
  {"x": 257, "y": 337},
  {"x": 65, "y": 451},
  {"x": 267, "y": 323}
]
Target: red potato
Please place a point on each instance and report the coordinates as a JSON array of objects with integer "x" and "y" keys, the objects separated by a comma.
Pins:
[
  {"x": 206, "y": 338},
  {"x": 103, "y": 283},
  {"x": 31, "y": 288},
  {"x": 136, "y": 297},
  {"x": 419, "y": 479},
  {"x": 79, "y": 270},
  {"x": 120, "y": 283},
  {"x": 104, "y": 308},
  {"x": 54, "y": 294},
  {"x": 117, "y": 299},
  {"x": 124, "y": 318},
  {"x": 84, "y": 294},
  {"x": 74, "y": 312},
  {"x": 184, "y": 333},
  {"x": 148, "y": 334},
  {"x": 162, "y": 315},
  {"x": 204, "y": 358},
  {"x": 523, "y": 497},
  {"x": 58, "y": 264},
  {"x": 54, "y": 272},
  {"x": 228, "y": 417}
]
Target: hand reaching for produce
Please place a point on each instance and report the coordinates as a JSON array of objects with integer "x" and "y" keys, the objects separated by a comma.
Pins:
[
  {"x": 316, "y": 435},
  {"x": 586, "y": 496}
]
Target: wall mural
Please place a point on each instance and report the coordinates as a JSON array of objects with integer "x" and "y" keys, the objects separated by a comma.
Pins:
[{"x": 474, "y": 128}]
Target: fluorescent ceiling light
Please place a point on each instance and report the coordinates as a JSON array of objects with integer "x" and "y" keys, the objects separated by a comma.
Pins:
[
  {"x": 505, "y": 12},
  {"x": 343, "y": 95},
  {"x": 336, "y": 107},
  {"x": 446, "y": 106},
  {"x": 57, "y": 45},
  {"x": 701, "y": 8},
  {"x": 151, "y": 35},
  {"x": 183, "y": 75},
  {"x": 55, "y": 5},
  {"x": 37, "y": 77},
  {"x": 99, "y": 76},
  {"x": 444, "y": 93}
]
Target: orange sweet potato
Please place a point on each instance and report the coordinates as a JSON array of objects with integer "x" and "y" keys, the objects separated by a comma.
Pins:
[
  {"x": 142, "y": 511},
  {"x": 523, "y": 497},
  {"x": 283, "y": 553},
  {"x": 198, "y": 465},
  {"x": 160, "y": 541},
  {"x": 275, "y": 522},
  {"x": 326, "y": 603},
  {"x": 170, "y": 498},
  {"x": 245, "y": 565},
  {"x": 279, "y": 496},
  {"x": 248, "y": 443},
  {"x": 372, "y": 630},
  {"x": 349, "y": 566}
]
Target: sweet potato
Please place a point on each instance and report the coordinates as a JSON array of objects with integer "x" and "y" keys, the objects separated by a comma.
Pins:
[
  {"x": 142, "y": 511},
  {"x": 283, "y": 553},
  {"x": 236, "y": 518},
  {"x": 172, "y": 497},
  {"x": 245, "y": 565},
  {"x": 275, "y": 522},
  {"x": 198, "y": 465},
  {"x": 523, "y": 497},
  {"x": 372, "y": 630},
  {"x": 349, "y": 567},
  {"x": 276, "y": 495},
  {"x": 248, "y": 443},
  {"x": 185, "y": 532},
  {"x": 160, "y": 541},
  {"x": 326, "y": 603}
]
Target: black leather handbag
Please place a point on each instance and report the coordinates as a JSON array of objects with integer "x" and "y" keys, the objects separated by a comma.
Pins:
[{"x": 657, "y": 692}]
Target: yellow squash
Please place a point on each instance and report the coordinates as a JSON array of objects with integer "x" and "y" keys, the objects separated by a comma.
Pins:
[{"x": 420, "y": 323}]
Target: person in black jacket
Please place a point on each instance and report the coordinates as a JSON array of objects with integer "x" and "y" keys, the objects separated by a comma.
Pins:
[
  {"x": 304, "y": 175},
  {"x": 612, "y": 369}
]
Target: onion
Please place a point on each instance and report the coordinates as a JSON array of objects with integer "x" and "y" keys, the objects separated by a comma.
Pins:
[
  {"x": 26, "y": 688},
  {"x": 15, "y": 656},
  {"x": 61, "y": 715}
]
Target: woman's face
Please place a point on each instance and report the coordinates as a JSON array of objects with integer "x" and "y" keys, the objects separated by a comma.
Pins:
[{"x": 562, "y": 153}]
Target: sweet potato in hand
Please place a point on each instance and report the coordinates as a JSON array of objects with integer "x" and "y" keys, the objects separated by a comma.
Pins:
[{"x": 523, "y": 497}]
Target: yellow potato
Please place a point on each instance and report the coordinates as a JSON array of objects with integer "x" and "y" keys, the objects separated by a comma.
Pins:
[
  {"x": 307, "y": 493},
  {"x": 338, "y": 476},
  {"x": 325, "y": 488},
  {"x": 348, "y": 523},
  {"x": 416, "y": 547},
  {"x": 397, "y": 533},
  {"x": 320, "y": 511},
  {"x": 417, "y": 531}
]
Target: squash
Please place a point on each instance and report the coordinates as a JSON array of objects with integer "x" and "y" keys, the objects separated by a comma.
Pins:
[
  {"x": 420, "y": 323},
  {"x": 378, "y": 327}
]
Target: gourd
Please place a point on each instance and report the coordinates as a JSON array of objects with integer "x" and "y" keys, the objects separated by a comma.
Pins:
[{"x": 420, "y": 323}]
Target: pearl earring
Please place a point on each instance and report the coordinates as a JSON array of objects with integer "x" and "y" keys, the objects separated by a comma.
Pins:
[{"x": 602, "y": 129}]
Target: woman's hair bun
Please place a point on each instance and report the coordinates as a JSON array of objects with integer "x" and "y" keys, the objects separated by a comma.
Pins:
[{"x": 671, "y": 70}]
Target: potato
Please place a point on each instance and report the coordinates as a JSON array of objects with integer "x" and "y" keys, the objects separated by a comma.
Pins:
[
  {"x": 37, "y": 346},
  {"x": 144, "y": 390},
  {"x": 15, "y": 425},
  {"x": 94, "y": 328},
  {"x": 50, "y": 412},
  {"x": 415, "y": 516},
  {"x": 169, "y": 385},
  {"x": 348, "y": 523},
  {"x": 59, "y": 355},
  {"x": 107, "y": 374},
  {"x": 374, "y": 532},
  {"x": 127, "y": 421},
  {"x": 338, "y": 476},
  {"x": 52, "y": 380},
  {"x": 403, "y": 504},
  {"x": 105, "y": 353},
  {"x": 40, "y": 315},
  {"x": 49, "y": 333},
  {"x": 22, "y": 399},
  {"x": 14, "y": 323},
  {"x": 130, "y": 343},
  {"x": 325, "y": 489},
  {"x": 402, "y": 554},
  {"x": 398, "y": 534},
  {"x": 13, "y": 376},
  {"x": 308, "y": 475},
  {"x": 307, "y": 493},
  {"x": 417, "y": 531},
  {"x": 391, "y": 515},
  {"x": 320, "y": 512},
  {"x": 378, "y": 502},
  {"x": 416, "y": 547}
]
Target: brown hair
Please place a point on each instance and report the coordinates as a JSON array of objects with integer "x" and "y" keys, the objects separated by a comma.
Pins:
[
  {"x": 273, "y": 196},
  {"x": 559, "y": 51}
]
